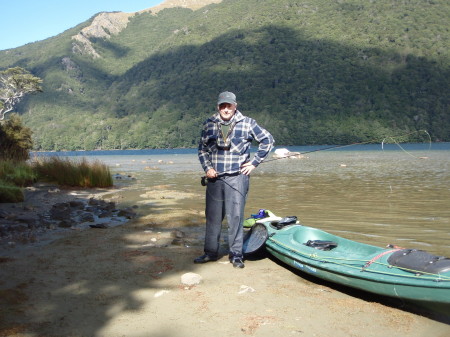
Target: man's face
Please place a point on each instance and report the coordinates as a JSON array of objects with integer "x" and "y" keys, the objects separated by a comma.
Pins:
[{"x": 226, "y": 111}]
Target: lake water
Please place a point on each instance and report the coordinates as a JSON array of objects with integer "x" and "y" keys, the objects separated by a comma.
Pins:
[{"x": 369, "y": 193}]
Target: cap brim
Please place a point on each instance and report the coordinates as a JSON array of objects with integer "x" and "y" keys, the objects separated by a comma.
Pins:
[{"x": 226, "y": 101}]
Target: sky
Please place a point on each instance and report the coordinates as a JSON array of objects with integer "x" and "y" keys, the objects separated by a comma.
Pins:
[{"x": 25, "y": 21}]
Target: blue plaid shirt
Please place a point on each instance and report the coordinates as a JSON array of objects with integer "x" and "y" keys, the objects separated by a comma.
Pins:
[{"x": 227, "y": 156}]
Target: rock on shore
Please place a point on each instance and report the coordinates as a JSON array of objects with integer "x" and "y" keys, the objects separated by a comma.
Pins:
[{"x": 47, "y": 208}]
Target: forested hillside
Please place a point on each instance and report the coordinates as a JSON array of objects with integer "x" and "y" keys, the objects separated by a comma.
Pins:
[{"x": 312, "y": 72}]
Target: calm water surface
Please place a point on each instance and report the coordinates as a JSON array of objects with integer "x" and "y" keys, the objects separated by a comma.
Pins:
[{"x": 377, "y": 197}]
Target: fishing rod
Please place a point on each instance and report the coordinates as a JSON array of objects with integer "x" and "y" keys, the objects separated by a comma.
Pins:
[
  {"x": 204, "y": 179},
  {"x": 296, "y": 154},
  {"x": 395, "y": 141}
]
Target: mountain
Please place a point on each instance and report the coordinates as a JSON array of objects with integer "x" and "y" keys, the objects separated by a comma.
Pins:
[{"x": 311, "y": 72}]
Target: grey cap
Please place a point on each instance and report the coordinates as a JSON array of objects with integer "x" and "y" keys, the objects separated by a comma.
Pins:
[{"x": 226, "y": 97}]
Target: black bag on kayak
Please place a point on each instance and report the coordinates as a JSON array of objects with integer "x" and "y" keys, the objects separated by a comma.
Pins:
[{"x": 289, "y": 220}]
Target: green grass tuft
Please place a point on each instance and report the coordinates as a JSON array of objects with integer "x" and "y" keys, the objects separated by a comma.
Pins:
[
  {"x": 18, "y": 173},
  {"x": 10, "y": 193},
  {"x": 13, "y": 176}
]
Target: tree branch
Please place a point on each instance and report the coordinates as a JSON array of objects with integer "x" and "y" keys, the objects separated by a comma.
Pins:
[{"x": 15, "y": 83}]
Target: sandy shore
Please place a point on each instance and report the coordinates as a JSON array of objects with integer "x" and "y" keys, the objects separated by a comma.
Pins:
[{"x": 126, "y": 281}]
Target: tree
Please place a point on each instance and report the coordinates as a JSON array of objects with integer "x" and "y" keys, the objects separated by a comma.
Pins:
[{"x": 15, "y": 83}]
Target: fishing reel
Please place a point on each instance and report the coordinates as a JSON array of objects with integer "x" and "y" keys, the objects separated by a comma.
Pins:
[{"x": 204, "y": 181}]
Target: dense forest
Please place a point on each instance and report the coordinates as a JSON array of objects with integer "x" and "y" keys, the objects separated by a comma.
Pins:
[{"x": 311, "y": 72}]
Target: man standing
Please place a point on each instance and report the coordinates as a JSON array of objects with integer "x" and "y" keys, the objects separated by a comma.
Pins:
[{"x": 224, "y": 153}]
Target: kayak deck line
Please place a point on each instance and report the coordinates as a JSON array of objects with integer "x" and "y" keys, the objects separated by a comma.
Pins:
[{"x": 379, "y": 256}]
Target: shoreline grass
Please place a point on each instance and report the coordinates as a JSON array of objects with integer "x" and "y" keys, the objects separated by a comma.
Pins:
[
  {"x": 62, "y": 171},
  {"x": 74, "y": 173}
]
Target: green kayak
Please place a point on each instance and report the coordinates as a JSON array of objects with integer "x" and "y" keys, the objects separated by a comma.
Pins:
[{"x": 405, "y": 273}]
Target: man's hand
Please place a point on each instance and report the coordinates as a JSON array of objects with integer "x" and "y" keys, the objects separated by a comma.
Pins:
[
  {"x": 247, "y": 168},
  {"x": 211, "y": 173}
]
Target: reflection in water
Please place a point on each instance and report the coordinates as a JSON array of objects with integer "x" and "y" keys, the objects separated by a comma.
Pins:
[{"x": 374, "y": 197}]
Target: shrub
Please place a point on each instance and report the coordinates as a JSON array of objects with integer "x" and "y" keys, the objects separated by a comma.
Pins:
[{"x": 15, "y": 140}]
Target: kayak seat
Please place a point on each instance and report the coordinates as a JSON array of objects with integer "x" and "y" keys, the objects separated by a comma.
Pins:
[
  {"x": 418, "y": 261},
  {"x": 321, "y": 244}
]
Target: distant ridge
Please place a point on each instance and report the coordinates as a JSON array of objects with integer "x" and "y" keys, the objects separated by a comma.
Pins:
[
  {"x": 191, "y": 4},
  {"x": 106, "y": 24}
]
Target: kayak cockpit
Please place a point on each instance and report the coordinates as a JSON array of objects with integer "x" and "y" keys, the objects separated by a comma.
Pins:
[{"x": 311, "y": 238}]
